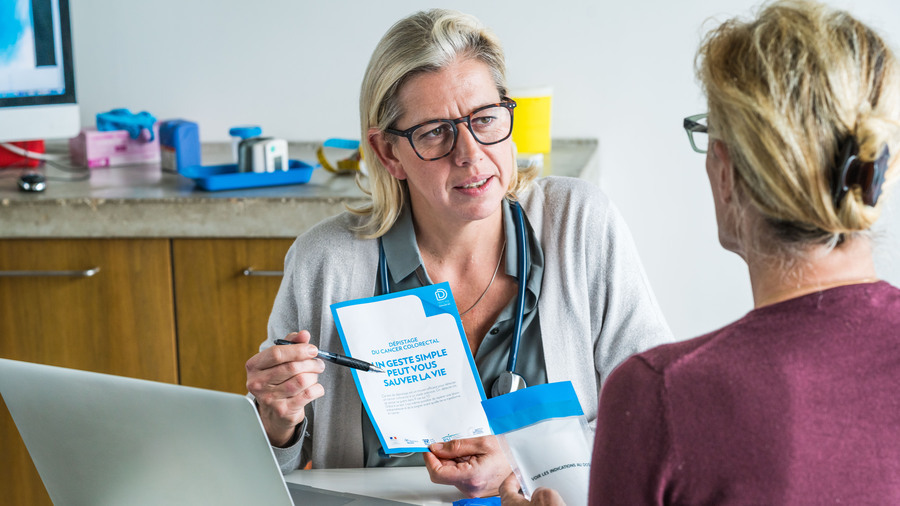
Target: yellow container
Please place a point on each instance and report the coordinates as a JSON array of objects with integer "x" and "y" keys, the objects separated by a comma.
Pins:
[{"x": 531, "y": 123}]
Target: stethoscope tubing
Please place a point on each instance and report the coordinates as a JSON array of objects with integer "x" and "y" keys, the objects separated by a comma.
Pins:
[{"x": 521, "y": 261}]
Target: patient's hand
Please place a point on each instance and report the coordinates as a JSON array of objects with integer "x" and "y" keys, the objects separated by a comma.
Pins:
[
  {"x": 510, "y": 496},
  {"x": 475, "y": 466}
]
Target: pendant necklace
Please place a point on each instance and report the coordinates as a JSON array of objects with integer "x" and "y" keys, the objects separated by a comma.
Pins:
[{"x": 499, "y": 261}]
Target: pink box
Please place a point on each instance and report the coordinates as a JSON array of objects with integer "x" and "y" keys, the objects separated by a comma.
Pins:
[{"x": 92, "y": 148}]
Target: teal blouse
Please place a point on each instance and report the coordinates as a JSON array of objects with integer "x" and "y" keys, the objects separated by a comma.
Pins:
[{"x": 408, "y": 271}]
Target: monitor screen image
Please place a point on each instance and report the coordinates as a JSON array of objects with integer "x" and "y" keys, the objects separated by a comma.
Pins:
[{"x": 37, "y": 80}]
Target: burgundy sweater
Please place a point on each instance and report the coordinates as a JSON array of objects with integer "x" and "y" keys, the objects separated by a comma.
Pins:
[{"x": 795, "y": 403}]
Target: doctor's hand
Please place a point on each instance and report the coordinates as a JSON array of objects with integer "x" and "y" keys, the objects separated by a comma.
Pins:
[
  {"x": 510, "y": 495},
  {"x": 284, "y": 379},
  {"x": 475, "y": 466}
]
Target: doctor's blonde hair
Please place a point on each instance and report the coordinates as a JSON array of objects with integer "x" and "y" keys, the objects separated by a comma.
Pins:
[{"x": 426, "y": 41}]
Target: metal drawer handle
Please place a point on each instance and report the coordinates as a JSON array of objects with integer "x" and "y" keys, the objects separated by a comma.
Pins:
[
  {"x": 50, "y": 274},
  {"x": 249, "y": 271}
]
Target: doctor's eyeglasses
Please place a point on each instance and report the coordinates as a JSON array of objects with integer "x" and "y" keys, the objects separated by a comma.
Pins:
[
  {"x": 436, "y": 139},
  {"x": 697, "y": 131}
]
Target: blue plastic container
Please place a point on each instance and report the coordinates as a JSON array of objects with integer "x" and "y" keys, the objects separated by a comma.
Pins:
[
  {"x": 227, "y": 177},
  {"x": 179, "y": 144}
]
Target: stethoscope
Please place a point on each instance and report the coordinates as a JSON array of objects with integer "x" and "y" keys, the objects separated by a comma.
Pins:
[{"x": 508, "y": 381}]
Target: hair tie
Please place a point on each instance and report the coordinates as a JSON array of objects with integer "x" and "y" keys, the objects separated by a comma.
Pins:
[{"x": 850, "y": 172}]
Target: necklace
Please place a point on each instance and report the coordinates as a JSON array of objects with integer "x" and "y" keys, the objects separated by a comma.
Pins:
[
  {"x": 806, "y": 290},
  {"x": 499, "y": 261}
]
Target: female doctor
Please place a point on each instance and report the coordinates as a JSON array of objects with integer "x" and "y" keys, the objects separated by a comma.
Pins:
[{"x": 544, "y": 273}]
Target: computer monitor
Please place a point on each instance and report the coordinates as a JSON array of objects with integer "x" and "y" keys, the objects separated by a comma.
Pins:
[{"x": 37, "y": 80}]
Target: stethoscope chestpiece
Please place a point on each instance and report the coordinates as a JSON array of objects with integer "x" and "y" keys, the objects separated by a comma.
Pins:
[{"x": 507, "y": 382}]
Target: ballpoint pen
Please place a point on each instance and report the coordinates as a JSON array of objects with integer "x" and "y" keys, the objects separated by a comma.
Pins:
[{"x": 339, "y": 359}]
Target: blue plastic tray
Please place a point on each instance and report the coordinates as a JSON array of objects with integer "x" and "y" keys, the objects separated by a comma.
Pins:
[{"x": 226, "y": 177}]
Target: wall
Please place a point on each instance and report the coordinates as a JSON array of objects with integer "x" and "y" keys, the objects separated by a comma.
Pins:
[{"x": 622, "y": 72}]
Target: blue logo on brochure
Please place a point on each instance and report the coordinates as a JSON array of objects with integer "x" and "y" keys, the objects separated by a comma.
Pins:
[{"x": 440, "y": 294}]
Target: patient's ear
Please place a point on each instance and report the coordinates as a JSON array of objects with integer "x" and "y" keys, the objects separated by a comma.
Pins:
[
  {"x": 724, "y": 173},
  {"x": 385, "y": 151}
]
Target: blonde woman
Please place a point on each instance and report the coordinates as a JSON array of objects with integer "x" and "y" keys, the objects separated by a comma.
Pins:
[
  {"x": 796, "y": 402},
  {"x": 551, "y": 256}
]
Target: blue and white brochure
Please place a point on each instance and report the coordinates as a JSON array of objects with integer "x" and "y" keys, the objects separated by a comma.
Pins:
[{"x": 431, "y": 391}]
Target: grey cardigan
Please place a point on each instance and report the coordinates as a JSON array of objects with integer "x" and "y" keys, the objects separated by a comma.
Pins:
[{"x": 596, "y": 307}]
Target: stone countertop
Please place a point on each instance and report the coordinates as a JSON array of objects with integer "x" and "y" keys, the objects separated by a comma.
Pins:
[{"x": 143, "y": 201}]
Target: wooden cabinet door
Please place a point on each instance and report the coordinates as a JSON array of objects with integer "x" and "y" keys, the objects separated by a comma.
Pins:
[
  {"x": 224, "y": 290},
  {"x": 54, "y": 309}
]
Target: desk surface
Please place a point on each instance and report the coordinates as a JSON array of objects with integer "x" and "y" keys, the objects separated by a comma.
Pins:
[
  {"x": 142, "y": 201},
  {"x": 406, "y": 484}
]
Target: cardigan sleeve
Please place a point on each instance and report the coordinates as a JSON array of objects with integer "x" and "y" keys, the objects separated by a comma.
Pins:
[
  {"x": 632, "y": 321},
  {"x": 597, "y": 307},
  {"x": 326, "y": 264},
  {"x": 283, "y": 320}
]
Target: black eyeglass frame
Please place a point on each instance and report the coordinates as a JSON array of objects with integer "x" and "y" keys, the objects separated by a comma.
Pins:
[
  {"x": 692, "y": 125},
  {"x": 506, "y": 102}
]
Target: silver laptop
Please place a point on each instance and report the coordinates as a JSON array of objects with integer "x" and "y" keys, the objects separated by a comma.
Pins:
[{"x": 98, "y": 439}]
